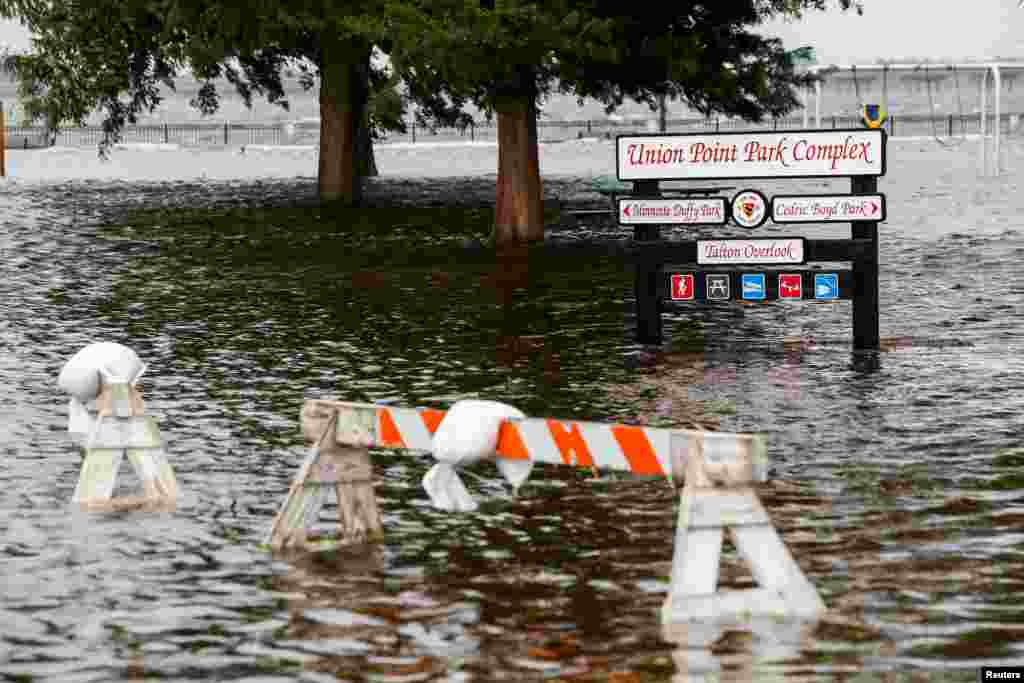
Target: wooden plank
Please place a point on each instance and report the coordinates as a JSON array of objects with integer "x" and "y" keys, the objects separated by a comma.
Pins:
[
  {"x": 356, "y": 427},
  {"x": 155, "y": 473},
  {"x": 129, "y": 503},
  {"x": 715, "y": 458},
  {"x": 125, "y": 432},
  {"x": 98, "y": 477},
  {"x": 725, "y": 606},
  {"x": 725, "y": 508},
  {"x": 774, "y": 567},
  {"x": 297, "y": 517},
  {"x": 119, "y": 399},
  {"x": 358, "y": 513},
  {"x": 695, "y": 555},
  {"x": 300, "y": 508}
]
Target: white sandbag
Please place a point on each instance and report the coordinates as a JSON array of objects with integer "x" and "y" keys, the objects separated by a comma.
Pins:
[
  {"x": 446, "y": 490},
  {"x": 467, "y": 434},
  {"x": 469, "y": 431},
  {"x": 80, "y": 421},
  {"x": 84, "y": 374}
]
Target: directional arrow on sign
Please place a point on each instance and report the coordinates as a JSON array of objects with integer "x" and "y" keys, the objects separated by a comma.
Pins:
[
  {"x": 874, "y": 208},
  {"x": 625, "y": 210}
]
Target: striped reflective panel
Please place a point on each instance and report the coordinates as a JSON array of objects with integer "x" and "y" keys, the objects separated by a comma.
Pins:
[
  {"x": 641, "y": 450},
  {"x": 403, "y": 428}
]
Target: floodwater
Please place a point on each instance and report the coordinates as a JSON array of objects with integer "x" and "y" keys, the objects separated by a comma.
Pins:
[{"x": 897, "y": 477}]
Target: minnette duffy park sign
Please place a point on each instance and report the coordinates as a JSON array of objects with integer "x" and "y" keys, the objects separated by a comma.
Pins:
[
  {"x": 696, "y": 211},
  {"x": 789, "y": 154}
]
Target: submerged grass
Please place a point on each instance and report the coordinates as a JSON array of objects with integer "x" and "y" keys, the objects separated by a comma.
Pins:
[{"x": 252, "y": 230}]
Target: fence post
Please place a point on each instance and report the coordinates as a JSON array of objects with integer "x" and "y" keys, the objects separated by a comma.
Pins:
[
  {"x": 892, "y": 125},
  {"x": 588, "y": 127},
  {"x": 225, "y": 133},
  {"x": 472, "y": 131},
  {"x": 950, "y": 126},
  {"x": 3, "y": 142},
  {"x": 716, "y": 125},
  {"x": 165, "y": 133},
  {"x": 833, "y": 123},
  {"x": 414, "y": 131}
]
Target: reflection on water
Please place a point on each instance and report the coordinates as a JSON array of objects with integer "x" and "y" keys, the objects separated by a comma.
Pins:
[{"x": 895, "y": 475}]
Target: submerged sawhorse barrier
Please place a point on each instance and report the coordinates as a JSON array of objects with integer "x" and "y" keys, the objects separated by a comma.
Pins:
[
  {"x": 719, "y": 471},
  {"x": 121, "y": 428}
]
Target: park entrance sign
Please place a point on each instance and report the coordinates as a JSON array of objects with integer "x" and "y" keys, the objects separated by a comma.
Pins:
[{"x": 733, "y": 270}]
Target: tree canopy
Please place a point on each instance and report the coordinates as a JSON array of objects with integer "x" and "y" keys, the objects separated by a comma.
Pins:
[
  {"x": 501, "y": 55},
  {"x": 114, "y": 56},
  {"x": 704, "y": 53},
  {"x": 448, "y": 52}
]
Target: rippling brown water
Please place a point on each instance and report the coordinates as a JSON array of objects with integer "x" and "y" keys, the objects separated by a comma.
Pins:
[{"x": 896, "y": 481}]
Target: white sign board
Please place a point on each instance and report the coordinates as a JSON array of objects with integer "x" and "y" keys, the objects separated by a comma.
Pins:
[
  {"x": 828, "y": 208},
  {"x": 730, "y": 252},
  {"x": 790, "y": 154},
  {"x": 703, "y": 211}
]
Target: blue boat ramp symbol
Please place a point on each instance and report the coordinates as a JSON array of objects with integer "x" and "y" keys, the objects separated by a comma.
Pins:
[
  {"x": 826, "y": 286},
  {"x": 753, "y": 285}
]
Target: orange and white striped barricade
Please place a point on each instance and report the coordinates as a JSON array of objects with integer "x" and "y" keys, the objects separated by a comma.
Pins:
[
  {"x": 121, "y": 428},
  {"x": 719, "y": 470}
]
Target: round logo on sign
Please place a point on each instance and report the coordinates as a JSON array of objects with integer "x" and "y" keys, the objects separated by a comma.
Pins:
[{"x": 749, "y": 209}]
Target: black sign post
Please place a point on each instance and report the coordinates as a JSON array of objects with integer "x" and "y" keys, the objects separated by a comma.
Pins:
[{"x": 865, "y": 271}]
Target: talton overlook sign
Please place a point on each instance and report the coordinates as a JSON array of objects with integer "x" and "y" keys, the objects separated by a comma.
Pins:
[{"x": 789, "y": 154}]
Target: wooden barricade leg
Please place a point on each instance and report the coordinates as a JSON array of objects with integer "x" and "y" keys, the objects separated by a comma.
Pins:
[
  {"x": 155, "y": 472},
  {"x": 718, "y": 495},
  {"x": 329, "y": 465},
  {"x": 301, "y": 506},
  {"x": 98, "y": 476},
  {"x": 358, "y": 515}
]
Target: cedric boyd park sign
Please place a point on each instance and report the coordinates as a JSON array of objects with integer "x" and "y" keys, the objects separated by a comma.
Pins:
[
  {"x": 828, "y": 208},
  {"x": 789, "y": 154}
]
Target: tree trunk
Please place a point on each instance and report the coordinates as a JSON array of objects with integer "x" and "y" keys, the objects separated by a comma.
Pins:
[
  {"x": 343, "y": 73},
  {"x": 519, "y": 213}
]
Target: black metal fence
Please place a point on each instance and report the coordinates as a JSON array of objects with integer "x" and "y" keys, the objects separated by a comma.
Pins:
[
  {"x": 308, "y": 133},
  {"x": 903, "y": 125}
]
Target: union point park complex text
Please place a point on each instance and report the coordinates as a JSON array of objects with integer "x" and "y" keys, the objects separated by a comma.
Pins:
[{"x": 784, "y": 152}]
